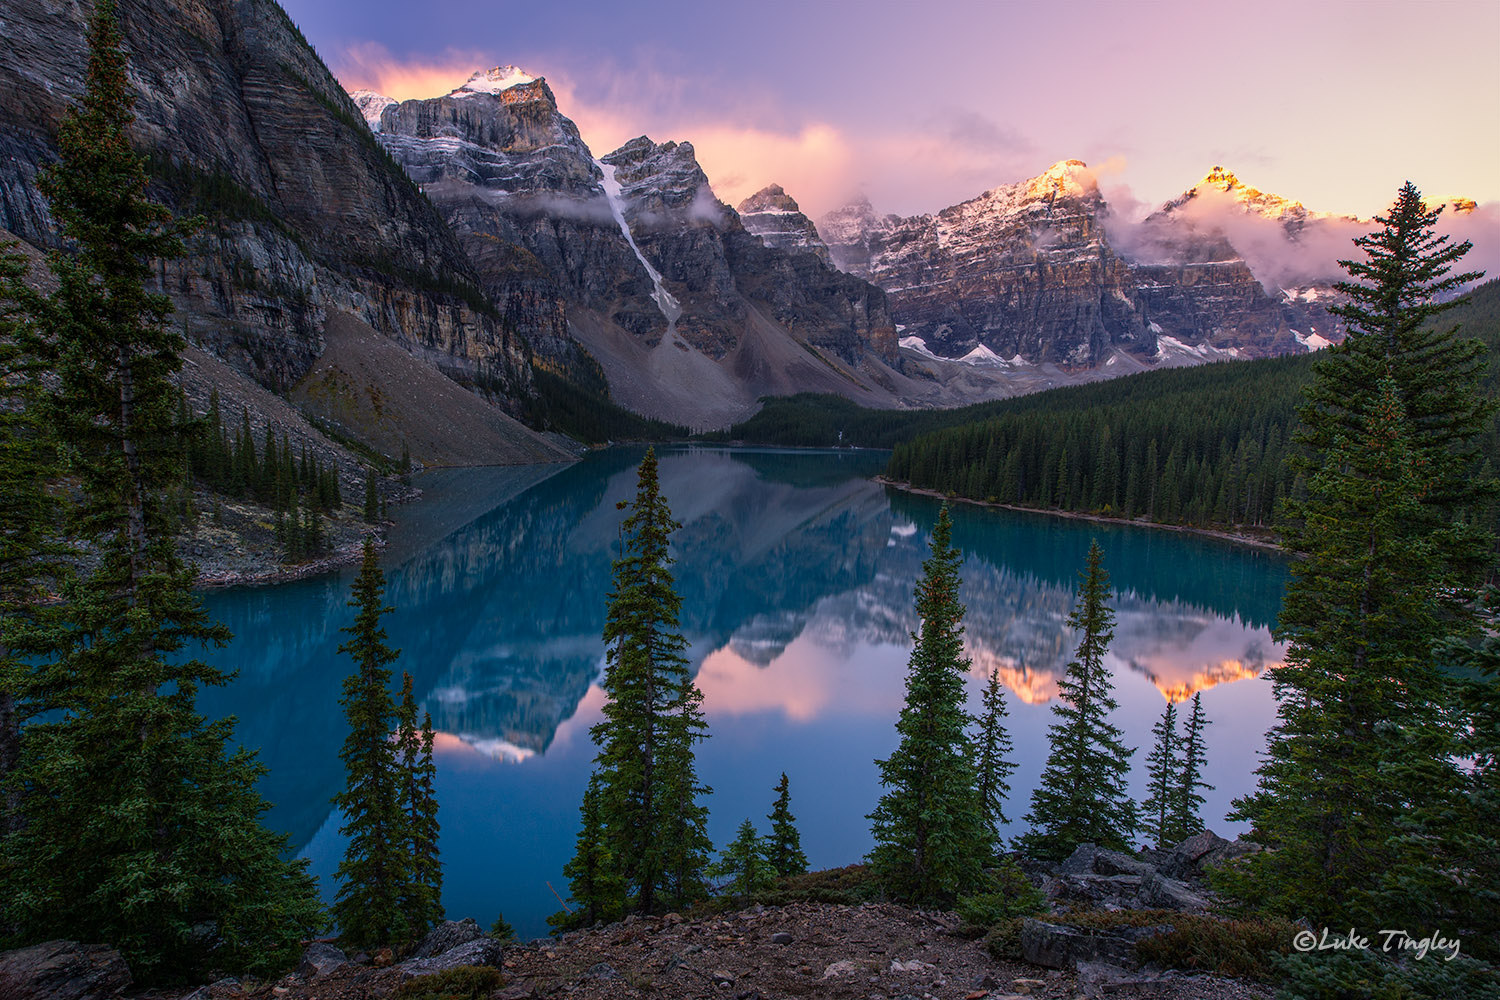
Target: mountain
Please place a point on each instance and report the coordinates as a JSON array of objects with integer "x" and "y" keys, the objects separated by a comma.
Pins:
[
  {"x": 664, "y": 293},
  {"x": 307, "y": 217},
  {"x": 1291, "y": 250},
  {"x": 1028, "y": 273},
  {"x": 773, "y": 215}
]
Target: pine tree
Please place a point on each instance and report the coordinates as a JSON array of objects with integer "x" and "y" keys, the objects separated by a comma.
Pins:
[
  {"x": 29, "y": 520},
  {"x": 745, "y": 863},
  {"x": 784, "y": 846},
  {"x": 139, "y": 826},
  {"x": 995, "y": 747},
  {"x": 647, "y": 780},
  {"x": 1187, "y": 804},
  {"x": 1158, "y": 812},
  {"x": 594, "y": 877},
  {"x": 1364, "y": 746},
  {"x": 422, "y": 902},
  {"x": 374, "y": 877},
  {"x": 1082, "y": 796},
  {"x": 931, "y": 840}
]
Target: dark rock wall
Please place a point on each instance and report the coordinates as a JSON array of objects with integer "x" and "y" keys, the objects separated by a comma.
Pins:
[{"x": 246, "y": 126}]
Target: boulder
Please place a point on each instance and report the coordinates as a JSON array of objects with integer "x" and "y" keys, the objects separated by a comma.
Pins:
[
  {"x": 1224, "y": 852},
  {"x": 1087, "y": 859},
  {"x": 1183, "y": 860},
  {"x": 1058, "y": 946},
  {"x": 217, "y": 988},
  {"x": 483, "y": 951},
  {"x": 62, "y": 970},
  {"x": 1160, "y": 893},
  {"x": 448, "y": 935},
  {"x": 319, "y": 960},
  {"x": 1097, "y": 890}
]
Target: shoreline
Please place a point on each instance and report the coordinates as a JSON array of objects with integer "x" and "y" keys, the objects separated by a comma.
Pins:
[
  {"x": 1224, "y": 536},
  {"x": 270, "y": 576}
]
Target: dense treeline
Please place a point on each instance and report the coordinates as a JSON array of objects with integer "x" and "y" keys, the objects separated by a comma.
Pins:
[
  {"x": 1193, "y": 446},
  {"x": 582, "y": 410},
  {"x": 1209, "y": 449},
  {"x": 298, "y": 489}
]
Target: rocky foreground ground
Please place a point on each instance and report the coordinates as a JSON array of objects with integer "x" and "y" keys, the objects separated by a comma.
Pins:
[
  {"x": 841, "y": 951},
  {"x": 873, "y": 951}
]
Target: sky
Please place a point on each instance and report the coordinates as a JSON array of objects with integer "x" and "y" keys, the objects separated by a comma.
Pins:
[{"x": 920, "y": 105}]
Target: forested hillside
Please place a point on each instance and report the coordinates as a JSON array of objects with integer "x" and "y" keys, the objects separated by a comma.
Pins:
[{"x": 1195, "y": 446}]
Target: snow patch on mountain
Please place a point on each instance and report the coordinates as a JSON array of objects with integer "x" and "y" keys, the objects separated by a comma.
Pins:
[
  {"x": 370, "y": 106},
  {"x": 1313, "y": 341},
  {"x": 665, "y": 301},
  {"x": 493, "y": 81}
]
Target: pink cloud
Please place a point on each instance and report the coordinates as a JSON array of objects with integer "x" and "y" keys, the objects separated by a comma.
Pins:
[{"x": 371, "y": 66}]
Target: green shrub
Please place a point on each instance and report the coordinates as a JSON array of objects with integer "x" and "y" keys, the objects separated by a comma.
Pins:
[
  {"x": 467, "y": 982},
  {"x": 846, "y": 886},
  {"x": 1004, "y": 939},
  {"x": 1245, "y": 949},
  {"x": 1007, "y": 893},
  {"x": 1366, "y": 975}
]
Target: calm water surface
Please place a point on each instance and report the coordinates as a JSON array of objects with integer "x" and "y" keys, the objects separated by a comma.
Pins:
[{"x": 796, "y": 573}]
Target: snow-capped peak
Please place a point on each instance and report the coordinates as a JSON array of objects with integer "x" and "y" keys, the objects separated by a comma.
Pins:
[
  {"x": 492, "y": 81},
  {"x": 370, "y": 106},
  {"x": 1065, "y": 178},
  {"x": 1251, "y": 200}
]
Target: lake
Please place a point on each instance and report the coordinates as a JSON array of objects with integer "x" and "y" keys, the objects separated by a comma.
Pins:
[{"x": 796, "y": 573}]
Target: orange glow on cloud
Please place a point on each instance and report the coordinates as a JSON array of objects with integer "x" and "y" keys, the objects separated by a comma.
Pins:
[
  {"x": 371, "y": 66},
  {"x": 818, "y": 164},
  {"x": 1209, "y": 676},
  {"x": 1032, "y": 686},
  {"x": 800, "y": 687}
]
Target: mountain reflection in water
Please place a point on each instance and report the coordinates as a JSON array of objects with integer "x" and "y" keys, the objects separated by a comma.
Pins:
[{"x": 796, "y": 573}]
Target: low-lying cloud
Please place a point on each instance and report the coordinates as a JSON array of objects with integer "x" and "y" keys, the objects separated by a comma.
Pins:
[{"x": 1282, "y": 253}]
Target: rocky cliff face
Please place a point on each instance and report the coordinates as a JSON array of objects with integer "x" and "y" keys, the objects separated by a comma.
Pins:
[
  {"x": 662, "y": 282},
  {"x": 307, "y": 214},
  {"x": 774, "y": 216},
  {"x": 1028, "y": 274}
]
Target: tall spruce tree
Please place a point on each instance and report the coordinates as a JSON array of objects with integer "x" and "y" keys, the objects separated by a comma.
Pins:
[
  {"x": 1163, "y": 769},
  {"x": 417, "y": 774},
  {"x": 647, "y": 785},
  {"x": 30, "y": 546},
  {"x": 139, "y": 827},
  {"x": 1187, "y": 804},
  {"x": 785, "y": 843},
  {"x": 1082, "y": 797},
  {"x": 994, "y": 746},
  {"x": 931, "y": 840},
  {"x": 1364, "y": 742},
  {"x": 375, "y": 875}
]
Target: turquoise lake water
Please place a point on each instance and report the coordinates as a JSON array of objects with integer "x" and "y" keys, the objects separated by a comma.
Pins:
[{"x": 796, "y": 573}]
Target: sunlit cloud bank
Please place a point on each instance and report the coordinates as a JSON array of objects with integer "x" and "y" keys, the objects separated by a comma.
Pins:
[
  {"x": 951, "y": 156},
  {"x": 905, "y": 166},
  {"x": 1280, "y": 255},
  {"x": 371, "y": 66},
  {"x": 806, "y": 682}
]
